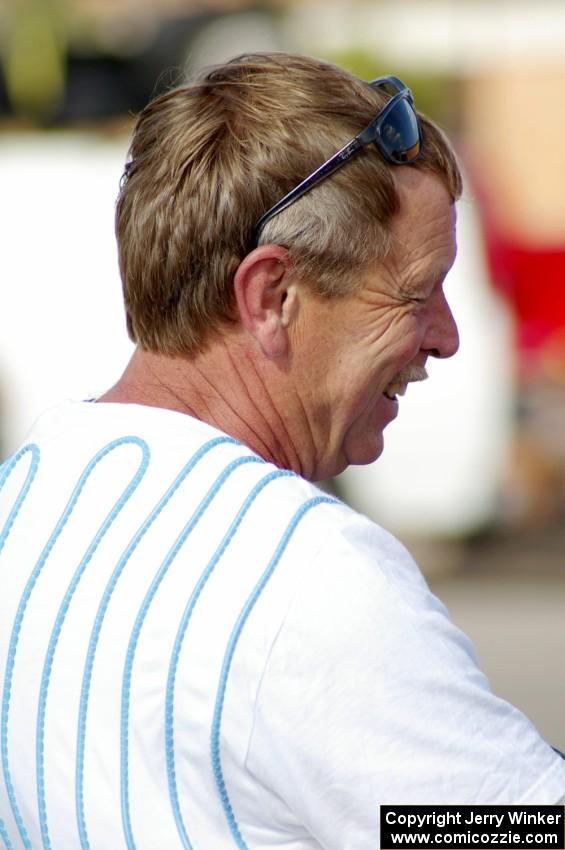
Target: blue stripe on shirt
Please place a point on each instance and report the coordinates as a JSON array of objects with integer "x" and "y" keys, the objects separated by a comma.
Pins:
[
  {"x": 12, "y": 649},
  {"x": 5, "y": 471},
  {"x": 58, "y": 625},
  {"x": 228, "y": 657},
  {"x": 124, "y": 742},
  {"x": 5, "y": 837},
  {"x": 169, "y": 713},
  {"x": 100, "y": 614}
]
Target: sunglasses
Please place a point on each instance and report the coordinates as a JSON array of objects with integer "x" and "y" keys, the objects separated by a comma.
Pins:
[{"x": 394, "y": 131}]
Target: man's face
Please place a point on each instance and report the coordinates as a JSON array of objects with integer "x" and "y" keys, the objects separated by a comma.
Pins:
[{"x": 359, "y": 351}]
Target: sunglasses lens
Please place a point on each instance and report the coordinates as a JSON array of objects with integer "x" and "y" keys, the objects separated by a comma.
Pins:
[{"x": 399, "y": 132}]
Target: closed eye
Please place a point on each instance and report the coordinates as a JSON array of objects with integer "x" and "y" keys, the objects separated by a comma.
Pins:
[{"x": 430, "y": 290}]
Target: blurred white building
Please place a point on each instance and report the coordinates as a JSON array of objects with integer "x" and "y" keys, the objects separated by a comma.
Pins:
[{"x": 62, "y": 331}]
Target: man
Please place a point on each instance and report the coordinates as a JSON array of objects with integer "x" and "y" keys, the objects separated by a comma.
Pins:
[{"x": 199, "y": 648}]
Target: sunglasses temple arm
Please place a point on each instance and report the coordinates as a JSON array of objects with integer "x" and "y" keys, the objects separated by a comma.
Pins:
[{"x": 336, "y": 161}]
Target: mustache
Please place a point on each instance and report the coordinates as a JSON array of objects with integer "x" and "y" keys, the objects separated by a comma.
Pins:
[{"x": 410, "y": 374}]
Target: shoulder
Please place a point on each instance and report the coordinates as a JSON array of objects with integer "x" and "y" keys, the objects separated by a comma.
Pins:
[
  {"x": 362, "y": 605},
  {"x": 359, "y": 576}
]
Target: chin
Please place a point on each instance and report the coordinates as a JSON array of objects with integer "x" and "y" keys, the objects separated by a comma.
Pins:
[
  {"x": 366, "y": 453},
  {"x": 358, "y": 452}
]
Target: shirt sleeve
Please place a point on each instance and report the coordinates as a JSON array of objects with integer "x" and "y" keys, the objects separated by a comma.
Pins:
[{"x": 371, "y": 696}]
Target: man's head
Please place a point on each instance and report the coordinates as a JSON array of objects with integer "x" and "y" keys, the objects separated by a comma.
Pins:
[
  {"x": 209, "y": 159},
  {"x": 337, "y": 303}
]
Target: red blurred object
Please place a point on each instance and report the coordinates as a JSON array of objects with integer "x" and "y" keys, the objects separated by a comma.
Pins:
[{"x": 532, "y": 277}]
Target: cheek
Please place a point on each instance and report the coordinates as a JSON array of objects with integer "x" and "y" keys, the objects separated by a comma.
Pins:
[
  {"x": 373, "y": 354},
  {"x": 397, "y": 347}
]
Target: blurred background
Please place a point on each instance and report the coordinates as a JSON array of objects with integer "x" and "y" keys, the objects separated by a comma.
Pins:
[{"x": 473, "y": 476}]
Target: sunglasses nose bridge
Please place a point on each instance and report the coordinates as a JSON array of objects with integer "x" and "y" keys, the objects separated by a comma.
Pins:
[{"x": 394, "y": 85}]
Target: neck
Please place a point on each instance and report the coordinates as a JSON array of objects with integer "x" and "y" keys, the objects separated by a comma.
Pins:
[{"x": 231, "y": 388}]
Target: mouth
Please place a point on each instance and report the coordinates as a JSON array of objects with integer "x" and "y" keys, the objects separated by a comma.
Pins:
[
  {"x": 395, "y": 389},
  {"x": 399, "y": 384}
]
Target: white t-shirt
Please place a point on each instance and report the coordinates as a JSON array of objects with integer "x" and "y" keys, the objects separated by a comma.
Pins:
[{"x": 198, "y": 650}]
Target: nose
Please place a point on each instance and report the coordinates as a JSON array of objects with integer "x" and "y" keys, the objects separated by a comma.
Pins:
[{"x": 442, "y": 338}]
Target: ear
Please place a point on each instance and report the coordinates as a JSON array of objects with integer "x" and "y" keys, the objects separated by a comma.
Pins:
[{"x": 267, "y": 297}]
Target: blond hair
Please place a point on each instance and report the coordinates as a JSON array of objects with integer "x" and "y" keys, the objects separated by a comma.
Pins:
[{"x": 209, "y": 158}]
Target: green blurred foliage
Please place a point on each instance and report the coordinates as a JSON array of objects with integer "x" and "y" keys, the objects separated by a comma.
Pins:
[
  {"x": 435, "y": 93},
  {"x": 33, "y": 55}
]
